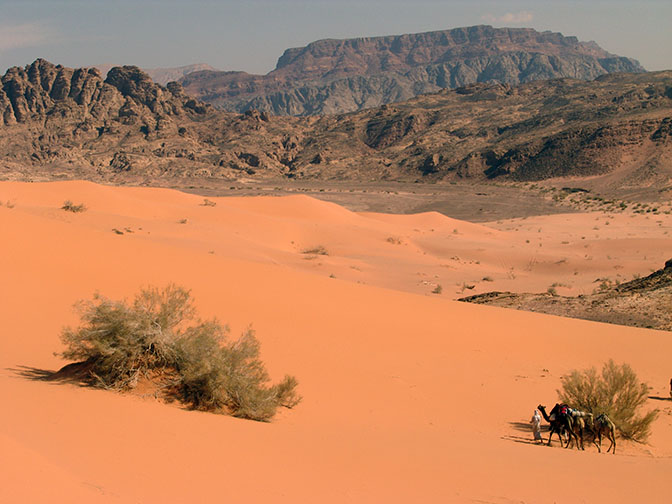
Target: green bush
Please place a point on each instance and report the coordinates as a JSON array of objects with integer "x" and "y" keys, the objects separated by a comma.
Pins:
[
  {"x": 158, "y": 335},
  {"x": 616, "y": 391}
]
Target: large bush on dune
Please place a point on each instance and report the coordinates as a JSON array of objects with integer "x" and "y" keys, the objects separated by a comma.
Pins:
[
  {"x": 158, "y": 337},
  {"x": 615, "y": 391}
]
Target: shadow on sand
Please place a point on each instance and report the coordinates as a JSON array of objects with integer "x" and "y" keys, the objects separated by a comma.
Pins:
[
  {"x": 523, "y": 440},
  {"x": 523, "y": 427},
  {"x": 72, "y": 373},
  {"x": 656, "y": 398}
]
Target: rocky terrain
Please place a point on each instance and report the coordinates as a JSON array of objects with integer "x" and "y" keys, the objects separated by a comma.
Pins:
[
  {"x": 611, "y": 134},
  {"x": 335, "y": 76},
  {"x": 642, "y": 302},
  {"x": 165, "y": 75}
]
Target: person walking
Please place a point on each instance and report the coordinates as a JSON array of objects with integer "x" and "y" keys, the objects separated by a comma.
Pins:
[{"x": 536, "y": 426}]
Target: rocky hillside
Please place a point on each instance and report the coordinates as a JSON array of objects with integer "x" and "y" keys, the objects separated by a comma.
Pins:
[
  {"x": 643, "y": 302},
  {"x": 59, "y": 122},
  {"x": 165, "y": 75},
  {"x": 335, "y": 76}
]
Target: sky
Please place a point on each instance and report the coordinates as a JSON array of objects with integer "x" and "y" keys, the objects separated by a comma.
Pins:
[{"x": 250, "y": 35}]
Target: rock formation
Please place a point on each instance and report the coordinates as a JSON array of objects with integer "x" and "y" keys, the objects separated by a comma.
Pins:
[
  {"x": 642, "y": 302},
  {"x": 62, "y": 122},
  {"x": 334, "y": 76}
]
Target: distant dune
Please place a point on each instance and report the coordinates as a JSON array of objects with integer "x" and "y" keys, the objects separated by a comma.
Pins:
[{"x": 408, "y": 396}]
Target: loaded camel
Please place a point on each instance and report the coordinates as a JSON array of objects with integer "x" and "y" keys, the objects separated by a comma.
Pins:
[
  {"x": 604, "y": 425},
  {"x": 560, "y": 421},
  {"x": 581, "y": 421}
]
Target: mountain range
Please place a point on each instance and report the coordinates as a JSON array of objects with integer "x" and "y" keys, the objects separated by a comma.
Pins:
[
  {"x": 61, "y": 122},
  {"x": 335, "y": 76}
]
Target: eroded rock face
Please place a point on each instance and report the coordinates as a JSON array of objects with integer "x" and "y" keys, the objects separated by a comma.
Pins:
[
  {"x": 335, "y": 76},
  {"x": 41, "y": 89}
]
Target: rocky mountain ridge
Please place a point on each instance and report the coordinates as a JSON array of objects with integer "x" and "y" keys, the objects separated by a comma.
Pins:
[
  {"x": 335, "y": 76},
  {"x": 61, "y": 122},
  {"x": 164, "y": 75}
]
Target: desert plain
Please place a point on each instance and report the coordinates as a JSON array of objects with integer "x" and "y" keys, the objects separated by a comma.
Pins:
[{"x": 408, "y": 395}]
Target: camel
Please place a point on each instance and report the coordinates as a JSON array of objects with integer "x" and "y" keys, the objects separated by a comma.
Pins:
[
  {"x": 581, "y": 420},
  {"x": 604, "y": 425},
  {"x": 559, "y": 422}
]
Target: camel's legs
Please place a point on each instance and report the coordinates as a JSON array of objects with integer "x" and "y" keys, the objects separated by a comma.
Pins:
[
  {"x": 554, "y": 431},
  {"x": 571, "y": 433}
]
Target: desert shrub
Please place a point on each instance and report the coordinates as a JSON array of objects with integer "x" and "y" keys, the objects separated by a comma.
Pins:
[
  {"x": 69, "y": 206},
  {"x": 438, "y": 289},
  {"x": 615, "y": 391},
  {"x": 318, "y": 250},
  {"x": 159, "y": 335}
]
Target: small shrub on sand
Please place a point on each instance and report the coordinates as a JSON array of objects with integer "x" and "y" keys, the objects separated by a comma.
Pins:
[
  {"x": 158, "y": 335},
  {"x": 319, "y": 250},
  {"x": 616, "y": 391},
  {"x": 69, "y": 206},
  {"x": 438, "y": 289}
]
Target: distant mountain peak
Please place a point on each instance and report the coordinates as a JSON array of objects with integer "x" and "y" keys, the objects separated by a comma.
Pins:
[
  {"x": 332, "y": 75},
  {"x": 165, "y": 75}
]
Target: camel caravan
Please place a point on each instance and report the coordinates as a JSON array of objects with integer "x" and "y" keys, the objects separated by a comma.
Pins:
[{"x": 571, "y": 424}]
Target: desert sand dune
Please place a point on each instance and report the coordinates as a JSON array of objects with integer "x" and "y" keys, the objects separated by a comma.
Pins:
[{"x": 408, "y": 396}]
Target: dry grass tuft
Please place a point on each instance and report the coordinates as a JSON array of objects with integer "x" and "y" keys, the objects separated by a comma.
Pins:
[
  {"x": 69, "y": 206},
  {"x": 319, "y": 250}
]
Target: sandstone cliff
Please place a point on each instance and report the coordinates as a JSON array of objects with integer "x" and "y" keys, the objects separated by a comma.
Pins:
[{"x": 334, "y": 76}]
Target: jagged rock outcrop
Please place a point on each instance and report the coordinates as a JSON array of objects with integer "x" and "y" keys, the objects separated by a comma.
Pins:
[
  {"x": 334, "y": 76},
  {"x": 41, "y": 90}
]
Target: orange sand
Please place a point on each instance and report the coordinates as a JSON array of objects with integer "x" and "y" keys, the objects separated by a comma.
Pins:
[{"x": 408, "y": 396}]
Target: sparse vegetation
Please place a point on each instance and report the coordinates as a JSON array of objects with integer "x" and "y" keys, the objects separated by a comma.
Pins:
[
  {"x": 207, "y": 202},
  {"x": 159, "y": 338},
  {"x": 69, "y": 206},
  {"x": 616, "y": 391},
  {"x": 319, "y": 250},
  {"x": 438, "y": 289}
]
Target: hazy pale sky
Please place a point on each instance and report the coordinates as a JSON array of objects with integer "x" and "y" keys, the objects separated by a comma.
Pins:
[{"x": 250, "y": 35}]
